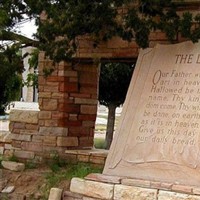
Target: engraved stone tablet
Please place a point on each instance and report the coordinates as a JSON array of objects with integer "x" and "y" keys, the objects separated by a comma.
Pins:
[{"x": 158, "y": 137}]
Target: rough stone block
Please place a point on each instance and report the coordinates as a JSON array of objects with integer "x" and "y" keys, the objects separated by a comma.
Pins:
[
  {"x": 87, "y": 109},
  {"x": 182, "y": 188},
  {"x": 67, "y": 141},
  {"x": 45, "y": 115},
  {"x": 83, "y": 158},
  {"x": 123, "y": 192},
  {"x": 58, "y": 131},
  {"x": 32, "y": 146},
  {"x": 67, "y": 195},
  {"x": 49, "y": 140},
  {"x": 97, "y": 160},
  {"x": 20, "y": 137},
  {"x": 49, "y": 104},
  {"x": 55, "y": 194},
  {"x": 103, "y": 178},
  {"x": 92, "y": 189},
  {"x": 136, "y": 182},
  {"x": 164, "y": 195},
  {"x": 26, "y": 116},
  {"x": 85, "y": 101},
  {"x": 24, "y": 154},
  {"x": 13, "y": 166},
  {"x": 86, "y": 141},
  {"x": 8, "y": 189}
]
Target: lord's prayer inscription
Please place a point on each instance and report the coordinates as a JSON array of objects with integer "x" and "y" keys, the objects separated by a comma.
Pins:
[{"x": 159, "y": 138}]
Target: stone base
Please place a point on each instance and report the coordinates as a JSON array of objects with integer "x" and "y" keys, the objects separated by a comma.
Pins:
[{"x": 99, "y": 186}]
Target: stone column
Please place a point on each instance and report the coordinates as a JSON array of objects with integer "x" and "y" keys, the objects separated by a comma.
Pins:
[{"x": 68, "y": 105}]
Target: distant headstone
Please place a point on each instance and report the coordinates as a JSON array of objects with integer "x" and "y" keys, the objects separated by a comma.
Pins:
[{"x": 158, "y": 137}]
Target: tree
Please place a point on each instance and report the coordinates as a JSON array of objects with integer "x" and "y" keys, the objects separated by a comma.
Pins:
[
  {"x": 11, "y": 67},
  {"x": 63, "y": 21},
  {"x": 113, "y": 86}
]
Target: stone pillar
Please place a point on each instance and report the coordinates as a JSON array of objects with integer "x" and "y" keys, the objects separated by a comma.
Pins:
[{"x": 68, "y": 105}]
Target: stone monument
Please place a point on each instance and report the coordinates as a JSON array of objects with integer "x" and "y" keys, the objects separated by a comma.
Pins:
[{"x": 158, "y": 137}]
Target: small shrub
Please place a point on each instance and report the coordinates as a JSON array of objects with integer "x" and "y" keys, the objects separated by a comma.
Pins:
[{"x": 99, "y": 143}]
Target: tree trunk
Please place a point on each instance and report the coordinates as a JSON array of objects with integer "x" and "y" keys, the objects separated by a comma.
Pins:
[{"x": 110, "y": 125}]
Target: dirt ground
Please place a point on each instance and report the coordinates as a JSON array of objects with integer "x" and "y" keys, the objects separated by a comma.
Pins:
[{"x": 29, "y": 184}]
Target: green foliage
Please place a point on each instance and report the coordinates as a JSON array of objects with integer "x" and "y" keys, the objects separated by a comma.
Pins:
[
  {"x": 13, "y": 158},
  {"x": 99, "y": 143},
  {"x": 64, "y": 21},
  {"x": 68, "y": 171},
  {"x": 113, "y": 83},
  {"x": 10, "y": 79},
  {"x": 32, "y": 78}
]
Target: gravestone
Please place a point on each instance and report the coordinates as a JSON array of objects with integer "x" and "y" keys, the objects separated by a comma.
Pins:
[{"x": 158, "y": 137}]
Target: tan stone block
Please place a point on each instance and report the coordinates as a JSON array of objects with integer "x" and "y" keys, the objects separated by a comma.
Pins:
[
  {"x": 86, "y": 101},
  {"x": 18, "y": 125},
  {"x": 103, "y": 178},
  {"x": 13, "y": 166},
  {"x": 86, "y": 141},
  {"x": 24, "y": 154},
  {"x": 32, "y": 127},
  {"x": 20, "y": 137},
  {"x": 196, "y": 190},
  {"x": 136, "y": 182},
  {"x": 58, "y": 95},
  {"x": 182, "y": 188},
  {"x": 92, "y": 189},
  {"x": 45, "y": 115},
  {"x": 166, "y": 186},
  {"x": 83, "y": 158},
  {"x": 90, "y": 198},
  {"x": 67, "y": 195},
  {"x": 164, "y": 195},
  {"x": 49, "y": 122},
  {"x": 44, "y": 94},
  {"x": 25, "y": 116},
  {"x": 88, "y": 123},
  {"x": 58, "y": 131},
  {"x": 123, "y": 192},
  {"x": 50, "y": 140},
  {"x": 55, "y": 194},
  {"x": 16, "y": 144},
  {"x": 48, "y": 88},
  {"x": 97, "y": 160},
  {"x": 50, "y": 104},
  {"x": 32, "y": 146},
  {"x": 8, "y": 147},
  {"x": 88, "y": 109},
  {"x": 37, "y": 138},
  {"x": 28, "y": 132},
  {"x": 67, "y": 141}
]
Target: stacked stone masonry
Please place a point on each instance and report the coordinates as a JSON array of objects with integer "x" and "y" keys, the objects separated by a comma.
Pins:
[
  {"x": 68, "y": 97},
  {"x": 29, "y": 142},
  {"x": 98, "y": 186}
]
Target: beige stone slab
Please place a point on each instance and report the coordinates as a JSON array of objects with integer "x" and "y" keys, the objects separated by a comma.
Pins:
[
  {"x": 158, "y": 135},
  {"x": 27, "y": 116},
  {"x": 163, "y": 195},
  {"x": 92, "y": 189},
  {"x": 103, "y": 178},
  {"x": 124, "y": 192}
]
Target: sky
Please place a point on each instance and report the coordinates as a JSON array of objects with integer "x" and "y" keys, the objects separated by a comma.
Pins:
[{"x": 27, "y": 29}]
